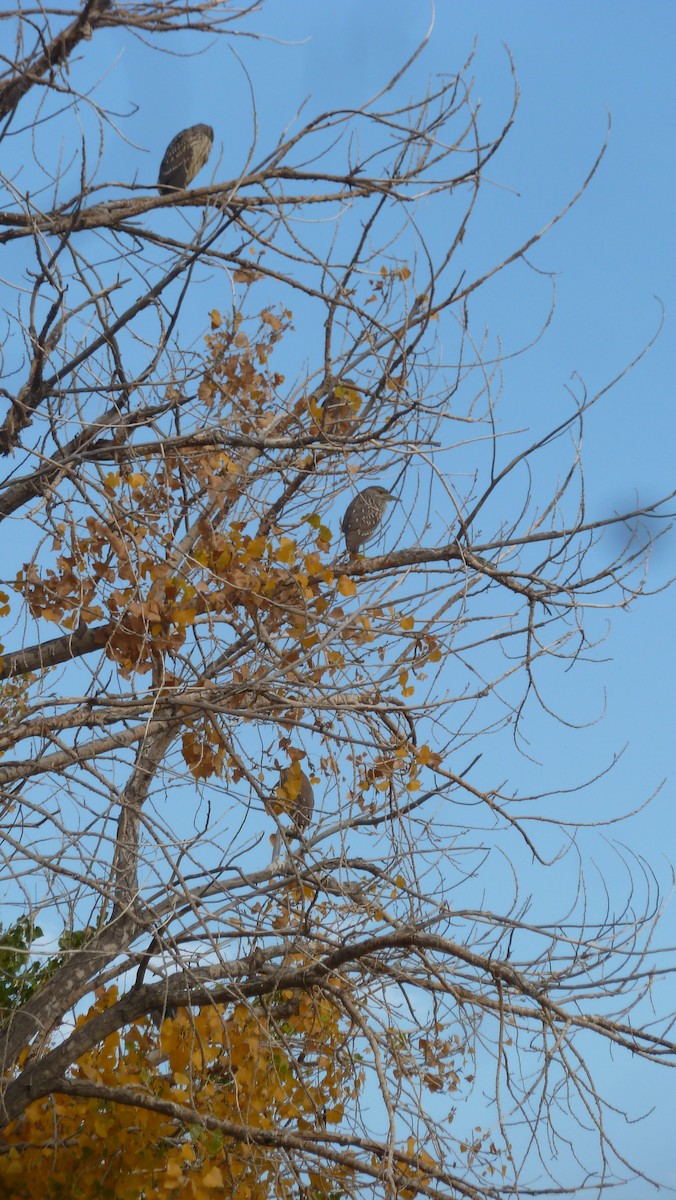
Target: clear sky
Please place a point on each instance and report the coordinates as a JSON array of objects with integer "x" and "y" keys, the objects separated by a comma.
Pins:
[{"x": 576, "y": 63}]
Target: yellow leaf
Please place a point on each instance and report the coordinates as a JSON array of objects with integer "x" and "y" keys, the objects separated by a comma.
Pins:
[
  {"x": 89, "y": 1072},
  {"x": 347, "y": 586},
  {"x": 214, "y": 1179},
  {"x": 216, "y": 319},
  {"x": 286, "y": 551},
  {"x": 256, "y": 548},
  {"x": 184, "y": 616},
  {"x": 406, "y": 623}
]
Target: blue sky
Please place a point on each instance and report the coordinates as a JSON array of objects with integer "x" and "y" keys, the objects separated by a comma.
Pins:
[{"x": 576, "y": 63}]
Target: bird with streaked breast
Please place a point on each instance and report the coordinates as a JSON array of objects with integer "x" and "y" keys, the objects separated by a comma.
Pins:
[
  {"x": 185, "y": 155},
  {"x": 363, "y": 516}
]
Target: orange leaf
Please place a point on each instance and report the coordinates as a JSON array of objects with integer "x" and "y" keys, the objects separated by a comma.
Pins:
[{"x": 244, "y": 276}]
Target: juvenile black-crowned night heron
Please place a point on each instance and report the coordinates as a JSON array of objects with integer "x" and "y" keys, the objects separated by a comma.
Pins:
[
  {"x": 363, "y": 516},
  {"x": 295, "y": 796},
  {"x": 339, "y": 411},
  {"x": 185, "y": 155}
]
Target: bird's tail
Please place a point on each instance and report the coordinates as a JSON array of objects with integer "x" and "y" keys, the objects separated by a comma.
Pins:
[{"x": 277, "y": 847}]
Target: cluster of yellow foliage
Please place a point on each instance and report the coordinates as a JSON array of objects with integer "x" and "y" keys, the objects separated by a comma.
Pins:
[{"x": 275, "y": 1068}]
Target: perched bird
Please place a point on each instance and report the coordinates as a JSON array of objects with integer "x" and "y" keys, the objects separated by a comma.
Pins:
[
  {"x": 363, "y": 516},
  {"x": 338, "y": 413},
  {"x": 185, "y": 155},
  {"x": 295, "y": 796}
]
